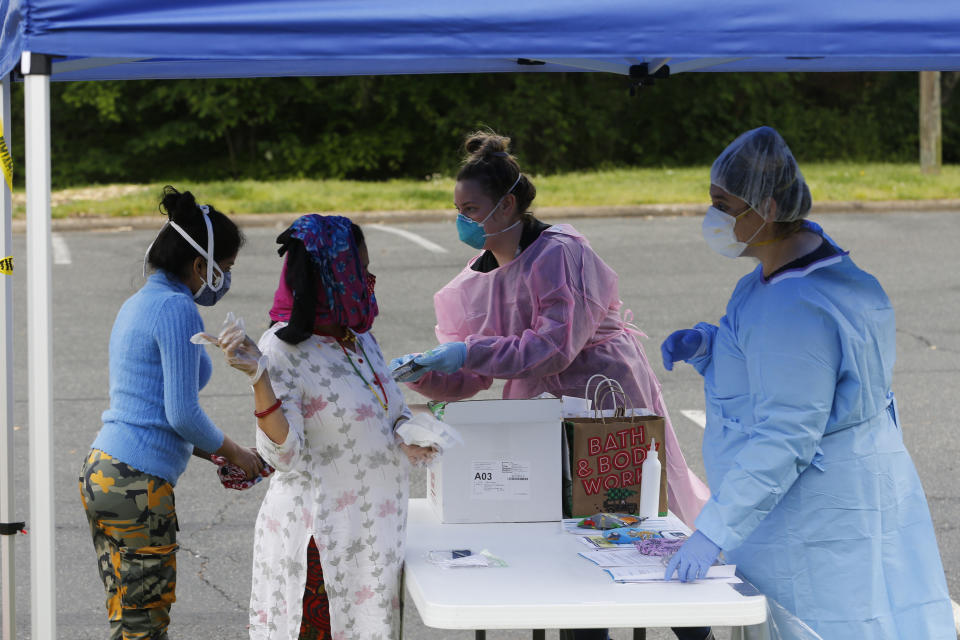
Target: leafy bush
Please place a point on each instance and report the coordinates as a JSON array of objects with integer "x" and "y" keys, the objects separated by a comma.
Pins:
[{"x": 379, "y": 127}]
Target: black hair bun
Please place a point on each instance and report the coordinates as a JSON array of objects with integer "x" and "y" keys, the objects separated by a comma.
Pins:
[{"x": 179, "y": 207}]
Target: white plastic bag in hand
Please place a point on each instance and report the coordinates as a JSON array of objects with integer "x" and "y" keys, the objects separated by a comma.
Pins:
[
  {"x": 424, "y": 430},
  {"x": 241, "y": 352}
]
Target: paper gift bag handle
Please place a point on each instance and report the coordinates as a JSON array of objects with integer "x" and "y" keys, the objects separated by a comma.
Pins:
[{"x": 607, "y": 387}]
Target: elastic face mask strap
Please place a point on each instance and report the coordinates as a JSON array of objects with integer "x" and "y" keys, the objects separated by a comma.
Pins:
[
  {"x": 759, "y": 229},
  {"x": 497, "y": 206},
  {"x": 510, "y": 190},
  {"x": 514, "y": 185},
  {"x": 212, "y": 266},
  {"x": 147, "y": 254},
  {"x": 496, "y": 233}
]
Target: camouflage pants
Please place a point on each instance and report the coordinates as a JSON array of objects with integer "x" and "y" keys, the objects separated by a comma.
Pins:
[{"x": 134, "y": 527}]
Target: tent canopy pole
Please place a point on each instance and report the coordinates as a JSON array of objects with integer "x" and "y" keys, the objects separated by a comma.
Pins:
[
  {"x": 43, "y": 597},
  {"x": 7, "y": 503}
]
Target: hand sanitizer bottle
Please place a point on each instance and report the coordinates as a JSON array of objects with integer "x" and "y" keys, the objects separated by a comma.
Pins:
[{"x": 650, "y": 483}]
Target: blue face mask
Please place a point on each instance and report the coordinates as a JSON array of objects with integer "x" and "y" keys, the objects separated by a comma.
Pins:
[
  {"x": 207, "y": 296},
  {"x": 472, "y": 232}
]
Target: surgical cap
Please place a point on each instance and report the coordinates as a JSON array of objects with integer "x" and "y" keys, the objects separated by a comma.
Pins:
[{"x": 759, "y": 165}]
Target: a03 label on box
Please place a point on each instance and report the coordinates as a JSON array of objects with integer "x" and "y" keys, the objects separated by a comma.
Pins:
[{"x": 500, "y": 480}]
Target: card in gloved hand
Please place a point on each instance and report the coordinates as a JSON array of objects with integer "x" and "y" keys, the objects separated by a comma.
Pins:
[{"x": 406, "y": 371}]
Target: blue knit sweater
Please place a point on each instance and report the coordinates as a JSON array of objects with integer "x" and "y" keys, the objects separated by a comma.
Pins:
[{"x": 156, "y": 374}]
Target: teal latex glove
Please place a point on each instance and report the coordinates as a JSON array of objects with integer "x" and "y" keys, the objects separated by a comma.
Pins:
[
  {"x": 680, "y": 345},
  {"x": 693, "y": 559},
  {"x": 445, "y": 358}
]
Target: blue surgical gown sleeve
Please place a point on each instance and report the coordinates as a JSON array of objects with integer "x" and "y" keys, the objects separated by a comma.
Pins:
[
  {"x": 703, "y": 362},
  {"x": 793, "y": 352},
  {"x": 571, "y": 285}
]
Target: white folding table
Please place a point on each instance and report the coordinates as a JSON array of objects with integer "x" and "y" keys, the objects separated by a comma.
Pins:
[{"x": 548, "y": 586}]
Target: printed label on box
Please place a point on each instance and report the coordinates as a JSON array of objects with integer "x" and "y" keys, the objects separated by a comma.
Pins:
[{"x": 500, "y": 480}]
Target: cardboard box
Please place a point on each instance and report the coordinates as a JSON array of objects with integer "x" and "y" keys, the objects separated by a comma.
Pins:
[
  {"x": 508, "y": 468},
  {"x": 606, "y": 460}
]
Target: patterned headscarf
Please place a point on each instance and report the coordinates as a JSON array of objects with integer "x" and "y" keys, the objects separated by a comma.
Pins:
[{"x": 323, "y": 280}]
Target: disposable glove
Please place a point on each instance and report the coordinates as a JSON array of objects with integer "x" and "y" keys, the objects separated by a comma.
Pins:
[
  {"x": 445, "y": 358},
  {"x": 680, "y": 345},
  {"x": 241, "y": 352},
  {"x": 693, "y": 559},
  {"x": 406, "y": 376}
]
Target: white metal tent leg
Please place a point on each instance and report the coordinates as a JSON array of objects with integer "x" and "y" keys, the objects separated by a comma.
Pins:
[
  {"x": 43, "y": 610},
  {"x": 7, "y": 504}
]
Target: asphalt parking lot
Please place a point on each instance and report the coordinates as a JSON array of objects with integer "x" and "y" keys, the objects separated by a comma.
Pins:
[{"x": 668, "y": 278}]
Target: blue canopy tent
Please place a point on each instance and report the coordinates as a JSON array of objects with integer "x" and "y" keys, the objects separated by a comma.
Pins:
[
  {"x": 43, "y": 40},
  {"x": 113, "y": 40}
]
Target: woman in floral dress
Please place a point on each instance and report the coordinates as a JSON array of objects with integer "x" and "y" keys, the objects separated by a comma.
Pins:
[{"x": 329, "y": 542}]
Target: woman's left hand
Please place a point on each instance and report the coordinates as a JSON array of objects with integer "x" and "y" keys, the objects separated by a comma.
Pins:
[
  {"x": 242, "y": 353},
  {"x": 418, "y": 455}
]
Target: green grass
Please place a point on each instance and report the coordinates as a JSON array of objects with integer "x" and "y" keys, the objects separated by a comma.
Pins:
[{"x": 828, "y": 182}]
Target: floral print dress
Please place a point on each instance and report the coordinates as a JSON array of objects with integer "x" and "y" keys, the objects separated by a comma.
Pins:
[{"x": 342, "y": 478}]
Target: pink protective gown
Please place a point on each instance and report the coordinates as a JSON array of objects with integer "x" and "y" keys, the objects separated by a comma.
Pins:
[{"x": 547, "y": 321}]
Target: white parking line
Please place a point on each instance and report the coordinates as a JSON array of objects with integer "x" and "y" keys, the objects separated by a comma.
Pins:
[
  {"x": 697, "y": 416},
  {"x": 61, "y": 252},
  {"x": 412, "y": 237},
  {"x": 956, "y": 616}
]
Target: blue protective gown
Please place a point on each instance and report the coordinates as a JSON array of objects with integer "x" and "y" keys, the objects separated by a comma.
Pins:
[{"x": 813, "y": 494}]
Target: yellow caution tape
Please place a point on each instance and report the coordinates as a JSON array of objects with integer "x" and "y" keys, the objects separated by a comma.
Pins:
[
  {"x": 6, "y": 162},
  {"x": 6, "y": 265}
]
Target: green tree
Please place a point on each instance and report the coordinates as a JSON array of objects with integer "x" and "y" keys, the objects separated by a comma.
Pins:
[{"x": 378, "y": 127}]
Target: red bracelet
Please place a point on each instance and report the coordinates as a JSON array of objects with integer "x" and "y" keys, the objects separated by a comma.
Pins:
[{"x": 268, "y": 410}]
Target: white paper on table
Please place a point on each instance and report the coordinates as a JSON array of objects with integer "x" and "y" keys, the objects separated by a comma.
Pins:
[
  {"x": 722, "y": 573},
  {"x": 624, "y": 558}
]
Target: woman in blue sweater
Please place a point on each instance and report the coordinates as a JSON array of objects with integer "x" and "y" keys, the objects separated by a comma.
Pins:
[{"x": 155, "y": 422}]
